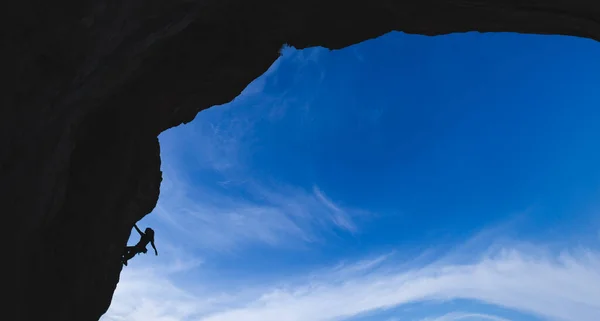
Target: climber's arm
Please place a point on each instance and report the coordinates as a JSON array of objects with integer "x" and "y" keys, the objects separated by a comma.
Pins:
[{"x": 138, "y": 230}]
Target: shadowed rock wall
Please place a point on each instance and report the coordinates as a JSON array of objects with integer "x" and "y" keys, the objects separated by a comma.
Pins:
[{"x": 88, "y": 86}]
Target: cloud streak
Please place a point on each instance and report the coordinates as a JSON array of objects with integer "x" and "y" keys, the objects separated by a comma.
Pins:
[
  {"x": 455, "y": 316},
  {"x": 562, "y": 286},
  {"x": 271, "y": 216}
]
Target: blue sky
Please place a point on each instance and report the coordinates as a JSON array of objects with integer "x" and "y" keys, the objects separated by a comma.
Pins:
[{"x": 403, "y": 178}]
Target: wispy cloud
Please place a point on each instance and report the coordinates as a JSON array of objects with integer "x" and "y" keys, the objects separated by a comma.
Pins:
[
  {"x": 339, "y": 216},
  {"x": 562, "y": 286},
  {"x": 264, "y": 214},
  {"x": 455, "y": 316},
  {"x": 148, "y": 294}
]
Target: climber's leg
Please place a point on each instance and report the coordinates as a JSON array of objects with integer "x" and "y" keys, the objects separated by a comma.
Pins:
[{"x": 130, "y": 251}]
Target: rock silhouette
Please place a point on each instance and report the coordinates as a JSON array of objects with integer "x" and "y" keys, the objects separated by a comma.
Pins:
[{"x": 88, "y": 86}]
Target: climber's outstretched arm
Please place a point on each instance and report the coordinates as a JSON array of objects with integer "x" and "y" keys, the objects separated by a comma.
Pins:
[{"x": 138, "y": 230}]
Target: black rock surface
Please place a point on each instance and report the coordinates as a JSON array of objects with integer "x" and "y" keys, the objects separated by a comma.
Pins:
[{"x": 88, "y": 85}]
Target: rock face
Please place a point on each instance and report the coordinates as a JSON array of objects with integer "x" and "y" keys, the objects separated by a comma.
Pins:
[{"x": 88, "y": 86}]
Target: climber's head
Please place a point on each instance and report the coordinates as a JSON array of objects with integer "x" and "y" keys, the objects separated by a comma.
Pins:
[{"x": 148, "y": 231}]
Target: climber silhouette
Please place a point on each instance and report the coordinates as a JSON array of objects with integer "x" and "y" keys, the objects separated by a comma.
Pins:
[{"x": 145, "y": 237}]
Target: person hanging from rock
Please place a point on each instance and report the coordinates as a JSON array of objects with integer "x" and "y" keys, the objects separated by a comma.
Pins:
[{"x": 145, "y": 237}]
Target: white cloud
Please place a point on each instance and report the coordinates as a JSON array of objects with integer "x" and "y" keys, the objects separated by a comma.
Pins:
[
  {"x": 276, "y": 216},
  {"x": 339, "y": 216},
  {"x": 455, "y": 316},
  {"x": 561, "y": 286},
  {"x": 206, "y": 209},
  {"x": 147, "y": 294},
  {"x": 565, "y": 289}
]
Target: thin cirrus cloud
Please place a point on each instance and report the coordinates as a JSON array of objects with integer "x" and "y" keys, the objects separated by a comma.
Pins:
[
  {"x": 214, "y": 217},
  {"x": 560, "y": 286},
  {"x": 456, "y": 316},
  {"x": 273, "y": 216}
]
